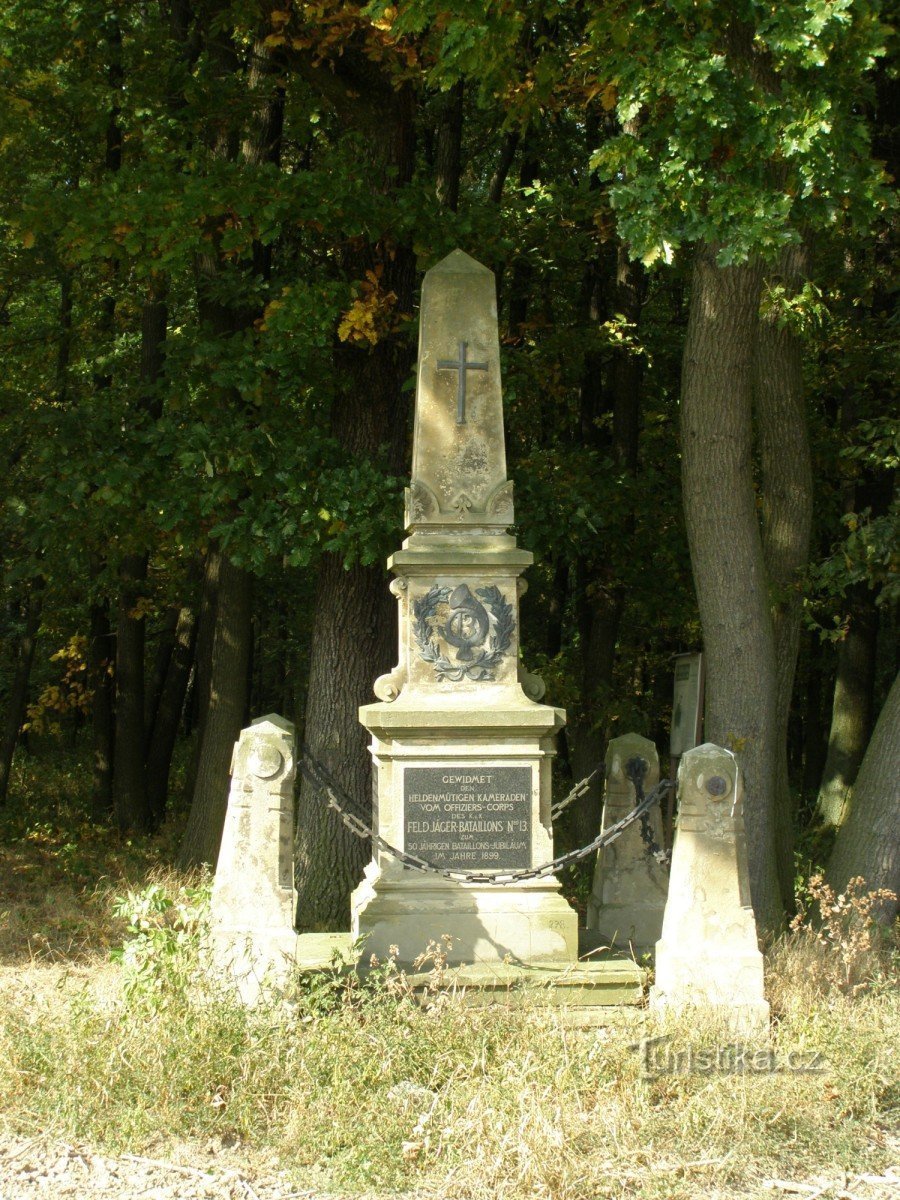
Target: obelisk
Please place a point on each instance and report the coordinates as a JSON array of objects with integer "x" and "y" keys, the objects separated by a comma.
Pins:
[{"x": 462, "y": 749}]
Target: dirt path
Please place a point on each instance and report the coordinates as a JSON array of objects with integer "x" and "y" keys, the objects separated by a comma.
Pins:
[{"x": 43, "y": 1168}]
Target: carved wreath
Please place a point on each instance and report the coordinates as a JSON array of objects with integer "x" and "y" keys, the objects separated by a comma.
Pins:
[{"x": 477, "y": 663}]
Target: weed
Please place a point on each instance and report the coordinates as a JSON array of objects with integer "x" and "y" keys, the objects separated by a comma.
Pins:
[
  {"x": 160, "y": 954},
  {"x": 854, "y": 950}
]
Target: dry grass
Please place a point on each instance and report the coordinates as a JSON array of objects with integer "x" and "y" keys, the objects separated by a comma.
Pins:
[{"x": 369, "y": 1091}]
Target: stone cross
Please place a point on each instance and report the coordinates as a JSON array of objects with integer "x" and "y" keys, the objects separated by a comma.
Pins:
[
  {"x": 629, "y": 893},
  {"x": 708, "y": 955},
  {"x": 459, "y": 453},
  {"x": 253, "y": 896}
]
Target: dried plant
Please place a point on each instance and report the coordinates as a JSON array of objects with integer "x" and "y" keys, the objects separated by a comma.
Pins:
[{"x": 845, "y": 926}]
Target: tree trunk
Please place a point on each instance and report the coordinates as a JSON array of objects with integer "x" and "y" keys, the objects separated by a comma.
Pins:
[
  {"x": 354, "y": 625},
  {"x": 601, "y": 606},
  {"x": 206, "y": 628},
  {"x": 507, "y": 155},
  {"x": 224, "y": 717},
  {"x": 129, "y": 791},
  {"x": 161, "y": 659},
  {"x": 814, "y": 740},
  {"x": 787, "y": 490},
  {"x": 851, "y": 715},
  {"x": 726, "y": 548},
  {"x": 448, "y": 157},
  {"x": 168, "y": 714},
  {"x": 229, "y": 305},
  {"x": 101, "y": 642},
  {"x": 129, "y": 782},
  {"x": 354, "y": 639},
  {"x": 868, "y": 841},
  {"x": 101, "y": 653},
  {"x": 17, "y": 701},
  {"x": 599, "y": 623}
]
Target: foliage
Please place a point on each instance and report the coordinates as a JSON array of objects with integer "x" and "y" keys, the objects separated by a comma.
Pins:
[
  {"x": 738, "y": 128},
  {"x": 70, "y": 695},
  {"x": 159, "y": 956},
  {"x": 128, "y": 176}
]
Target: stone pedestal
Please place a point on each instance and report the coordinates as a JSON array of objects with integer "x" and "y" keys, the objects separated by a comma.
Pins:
[
  {"x": 708, "y": 955},
  {"x": 253, "y": 897},
  {"x": 468, "y": 789},
  {"x": 629, "y": 893},
  {"x": 462, "y": 748}
]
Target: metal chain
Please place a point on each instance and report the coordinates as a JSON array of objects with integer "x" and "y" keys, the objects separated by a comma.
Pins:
[
  {"x": 319, "y": 777},
  {"x": 578, "y": 790},
  {"x": 636, "y": 770}
]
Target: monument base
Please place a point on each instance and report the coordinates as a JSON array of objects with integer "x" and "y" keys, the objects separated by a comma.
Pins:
[
  {"x": 528, "y": 923},
  {"x": 465, "y": 786}
]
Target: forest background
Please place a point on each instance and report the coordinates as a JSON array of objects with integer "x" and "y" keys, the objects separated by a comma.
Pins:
[{"x": 215, "y": 218}]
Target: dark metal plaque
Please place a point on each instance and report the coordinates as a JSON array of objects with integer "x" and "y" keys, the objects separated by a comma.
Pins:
[{"x": 469, "y": 818}]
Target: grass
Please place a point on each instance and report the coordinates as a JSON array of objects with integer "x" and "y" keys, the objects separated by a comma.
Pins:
[{"x": 360, "y": 1087}]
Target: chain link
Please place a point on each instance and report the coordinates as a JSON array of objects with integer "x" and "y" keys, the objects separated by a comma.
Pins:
[{"x": 323, "y": 783}]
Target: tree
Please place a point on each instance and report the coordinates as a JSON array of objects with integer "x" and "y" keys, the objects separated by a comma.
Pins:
[
  {"x": 868, "y": 842},
  {"x": 730, "y": 155}
]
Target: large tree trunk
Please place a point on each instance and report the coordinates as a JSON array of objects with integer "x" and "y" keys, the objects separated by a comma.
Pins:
[
  {"x": 868, "y": 842},
  {"x": 448, "y": 150},
  {"x": 17, "y": 701},
  {"x": 354, "y": 626},
  {"x": 787, "y": 490},
  {"x": 852, "y": 711},
  {"x": 354, "y": 639},
  {"x": 726, "y": 548},
  {"x": 224, "y": 718}
]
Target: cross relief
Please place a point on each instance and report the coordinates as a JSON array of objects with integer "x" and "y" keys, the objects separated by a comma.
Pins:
[{"x": 462, "y": 365}]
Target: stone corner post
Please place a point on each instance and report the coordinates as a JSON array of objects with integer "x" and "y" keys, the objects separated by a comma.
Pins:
[
  {"x": 629, "y": 894},
  {"x": 708, "y": 955},
  {"x": 253, "y": 896}
]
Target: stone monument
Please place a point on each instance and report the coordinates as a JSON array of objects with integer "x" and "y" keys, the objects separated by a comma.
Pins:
[
  {"x": 253, "y": 897},
  {"x": 629, "y": 893},
  {"x": 708, "y": 954},
  {"x": 462, "y": 749}
]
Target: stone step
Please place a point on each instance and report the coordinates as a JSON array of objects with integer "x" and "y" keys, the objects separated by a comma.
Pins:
[
  {"x": 602, "y": 991},
  {"x": 575, "y": 985},
  {"x": 582, "y": 993}
]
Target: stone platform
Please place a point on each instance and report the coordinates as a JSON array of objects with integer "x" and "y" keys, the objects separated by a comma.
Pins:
[{"x": 582, "y": 994}]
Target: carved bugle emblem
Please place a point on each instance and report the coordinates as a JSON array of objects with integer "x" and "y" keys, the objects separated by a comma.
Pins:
[{"x": 475, "y": 627}]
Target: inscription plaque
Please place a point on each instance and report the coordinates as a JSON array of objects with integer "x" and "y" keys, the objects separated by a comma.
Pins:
[{"x": 469, "y": 818}]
